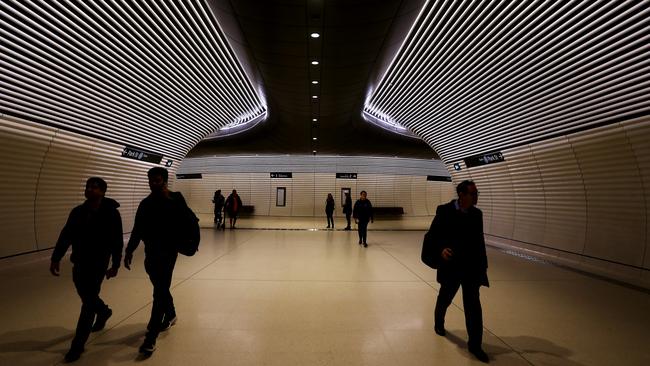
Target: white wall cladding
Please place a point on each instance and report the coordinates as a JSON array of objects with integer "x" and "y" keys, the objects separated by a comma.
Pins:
[
  {"x": 127, "y": 72},
  {"x": 388, "y": 181},
  {"x": 582, "y": 194},
  {"x": 504, "y": 74},
  {"x": 44, "y": 179}
]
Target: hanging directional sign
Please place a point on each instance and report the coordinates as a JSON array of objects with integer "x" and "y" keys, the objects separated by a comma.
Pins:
[{"x": 281, "y": 175}]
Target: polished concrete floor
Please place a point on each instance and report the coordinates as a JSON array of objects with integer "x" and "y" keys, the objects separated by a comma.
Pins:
[{"x": 315, "y": 297}]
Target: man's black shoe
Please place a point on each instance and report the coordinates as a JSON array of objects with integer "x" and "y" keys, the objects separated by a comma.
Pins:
[
  {"x": 148, "y": 346},
  {"x": 100, "y": 322},
  {"x": 479, "y": 354},
  {"x": 365, "y": 245},
  {"x": 73, "y": 355},
  {"x": 168, "y": 323},
  {"x": 440, "y": 331}
]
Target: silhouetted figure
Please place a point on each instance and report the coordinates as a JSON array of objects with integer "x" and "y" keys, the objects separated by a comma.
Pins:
[
  {"x": 362, "y": 213},
  {"x": 233, "y": 205},
  {"x": 457, "y": 236},
  {"x": 219, "y": 202},
  {"x": 329, "y": 210},
  {"x": 94, "y": 229},
  {"x": 157, "y": 224},
  {"x": 347, "y": 209}
]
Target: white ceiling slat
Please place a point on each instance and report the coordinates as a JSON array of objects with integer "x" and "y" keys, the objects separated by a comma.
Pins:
[
  {"x": 158, "y": 76},
  {"x": 509, "y": 73}
]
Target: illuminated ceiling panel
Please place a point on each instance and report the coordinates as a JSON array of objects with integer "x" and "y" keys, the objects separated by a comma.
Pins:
[
  {"x": 485, "y": 75},
  {"x": 156, "y": 75}
]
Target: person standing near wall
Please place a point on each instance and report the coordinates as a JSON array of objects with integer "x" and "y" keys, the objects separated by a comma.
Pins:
[
  {"x": 329, "y": 210},
  {"x": 456, "y": 234},
  {"x": 94, "y": 229},
  {"x": 233, "y": 205},
  {"x": 347, "y": 209},
  {"x": 362, "y": 213},
  {"x": 157, "y": 223},
  {"x": 219, "y": 202}
]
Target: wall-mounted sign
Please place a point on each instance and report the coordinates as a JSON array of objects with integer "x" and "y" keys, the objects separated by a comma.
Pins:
[
  {"x": 138, "y": 154},
  {"x": 169, "y": 163},
  {"x": 346, "y": 175},
  {"x": 483, "y": 159},
  {"x": 438, "y": 178},
  {"x": 189, "y": 176},
  {"x": 281, "y": 175},
  {"x": 457, "y": 166}
]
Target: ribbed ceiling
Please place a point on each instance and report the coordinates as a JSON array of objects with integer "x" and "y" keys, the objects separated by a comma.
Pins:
[
  {"x": 155, "y": 75},
  {"x": 475, "y": 76}
]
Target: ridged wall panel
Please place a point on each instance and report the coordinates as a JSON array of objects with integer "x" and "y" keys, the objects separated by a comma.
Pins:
[
  {"x": 614, "y": 194},
  {"x": 638, "y": 134},
  {"x": 403, "y": 193},
  {"x": 303, "y": 194},
  {"x": 46, "y": 178},
  {"x": 261, "y": 195},
  {"x": 565, "y": 202},
  {"x": 418, "y": 196},
  {"x": 61, "y": 184},
  {"x": 530, "y": 209},
  {"x": 23, "y": 149}
]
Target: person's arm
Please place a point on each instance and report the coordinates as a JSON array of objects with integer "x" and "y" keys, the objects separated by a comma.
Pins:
[
  {"x": 117, "y": 244},
  {"x": 134, "y": 239},
  {"x": 62, "y": 244},
  {"x": 370, "y": 213},
  {"x": 438, "y": 226}
]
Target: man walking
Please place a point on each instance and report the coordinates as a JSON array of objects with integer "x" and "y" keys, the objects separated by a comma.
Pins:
[
  {"x": 157, "y": 223},
  {"x": 457, "y": 236},
  {"x": 94, "y": 229}
]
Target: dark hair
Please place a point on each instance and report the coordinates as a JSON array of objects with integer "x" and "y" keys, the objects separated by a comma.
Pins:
[
  {"x": 158, "y": 171},
  {"x": 98, "y": 181},
  {"x": 462, "y": 186},
  {"x": 364, "y": 192}
]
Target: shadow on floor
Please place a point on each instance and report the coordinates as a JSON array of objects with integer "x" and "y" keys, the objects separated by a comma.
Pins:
[{"x": 536, "y": 351}]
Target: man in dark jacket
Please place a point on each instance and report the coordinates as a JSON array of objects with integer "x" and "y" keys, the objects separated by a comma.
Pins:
[
  {"x": 157, "y": 223},
  {"x": 457, "y": 235},
  {"x": 362, "y": 213},
  {"x": 219, "y": 202},
  {"x": 233, "y": 205},
  {"x": 347, "y": 209},
  {"x": 94, "y": 229}
]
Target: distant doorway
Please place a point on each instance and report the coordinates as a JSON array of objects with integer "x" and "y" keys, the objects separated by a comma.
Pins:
[{"x": 343, "y": 192}]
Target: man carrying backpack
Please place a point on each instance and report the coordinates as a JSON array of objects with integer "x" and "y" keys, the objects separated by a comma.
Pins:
[{"x": 159, "y": 222}]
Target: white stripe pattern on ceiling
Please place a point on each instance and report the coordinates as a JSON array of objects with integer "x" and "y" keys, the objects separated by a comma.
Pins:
[
  {"x": 155, "y": 75},
  {"x": 474, "y": 76}
]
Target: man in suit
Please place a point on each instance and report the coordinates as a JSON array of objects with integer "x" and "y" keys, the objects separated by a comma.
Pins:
[{"x": 457, "y": 236}]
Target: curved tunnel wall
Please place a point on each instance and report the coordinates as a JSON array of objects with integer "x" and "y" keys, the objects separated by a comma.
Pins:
[
  {"x": 45, "y": 171},
  {"x": 583, "y": 197}
]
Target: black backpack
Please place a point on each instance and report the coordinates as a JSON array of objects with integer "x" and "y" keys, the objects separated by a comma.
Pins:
[
  {"x": 430, "y": 255},
  {"x": 190, "y": 233}
]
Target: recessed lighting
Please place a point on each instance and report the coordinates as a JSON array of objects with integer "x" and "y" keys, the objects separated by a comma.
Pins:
[
  {"x": 314, "y": 119},
  {"x": 314, "y": 138},
  {"x": 314, "y": 62},
  {"x": 314, "y": 151},
  {"x": 314, "y": 96},
  {"x": 314, "y": 82},
  {"x": 315, "y": 35}
]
